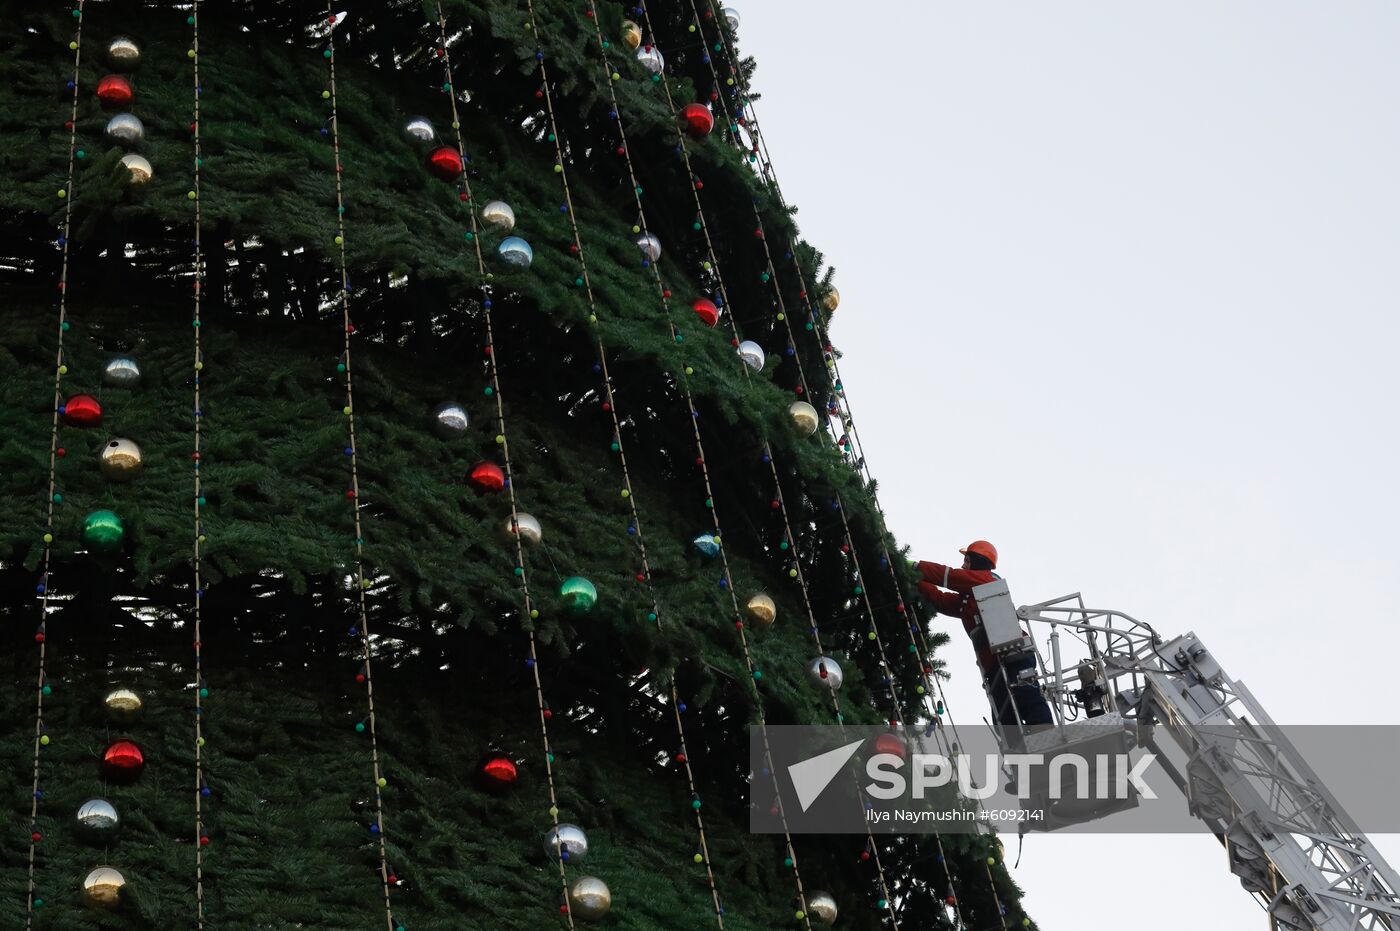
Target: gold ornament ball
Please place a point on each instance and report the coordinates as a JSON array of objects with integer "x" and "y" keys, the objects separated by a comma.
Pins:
[
  {"x": 529, "y": 529},
  {"x": 631, "y": 34},
  {"x": 103, "y": 888},
  {"x": 804, "y": 417},
  {"x": 139, "y": 169},
  {"x": 498, "y": 215},
  {"x": 124, "y": 53},
  {"x": 589, "y": 898},
  {"x": 121, "y": 460},
  {"x": 123, "y": 705},
  {"x": 821, "y": 908},
  {"x": 762, "y": 609},
  {"x": 832, "y": 300}
]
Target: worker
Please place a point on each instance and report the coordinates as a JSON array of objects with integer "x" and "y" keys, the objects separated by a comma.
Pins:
[{"x": 1008, "y": 695}]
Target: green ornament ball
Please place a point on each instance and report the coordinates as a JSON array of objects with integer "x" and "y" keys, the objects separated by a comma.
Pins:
[
  {"x": 103, "y": 531},
  {"x": 578, "y": 594}
]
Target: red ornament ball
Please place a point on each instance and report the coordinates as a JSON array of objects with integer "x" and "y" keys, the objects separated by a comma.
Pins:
[
  {"x": 697, "y": 119},
  {"x": 82, "y": 410},
  {"x": 891, "y": 743},
  {"x": 115, "y": 91},
  {"x": 487, "y": 478},
  {"x": 123, "y": 761},
  {"x": 445, "y": 162},
  {"x": 706, "y": 311},
  {"x": 499, "y": 773}
]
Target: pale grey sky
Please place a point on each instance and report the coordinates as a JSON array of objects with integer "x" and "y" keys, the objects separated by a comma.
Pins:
[{"x": 1118, "y": 294}]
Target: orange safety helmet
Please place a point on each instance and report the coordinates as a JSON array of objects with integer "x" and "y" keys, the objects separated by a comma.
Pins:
[{"x": 981, "y": 548}]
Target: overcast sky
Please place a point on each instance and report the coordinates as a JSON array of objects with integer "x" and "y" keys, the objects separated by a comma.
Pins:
[{"x": 1119, "y": 294}]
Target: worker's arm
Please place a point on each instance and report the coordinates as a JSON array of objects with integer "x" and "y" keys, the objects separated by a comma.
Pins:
[
  {"x": 949, "y": 603},
  {"x": 959, "y": 580}
]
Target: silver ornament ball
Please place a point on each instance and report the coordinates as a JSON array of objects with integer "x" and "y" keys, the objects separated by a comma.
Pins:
[
  {"x": 752, "y": 354},
  {"x": 825, "y": 671},
  {"x": 450, "y": 420},
  {"x": 650, "y": 246},
  {"x": 516, "y": 251},
  {"x": 498, "y": 215},
  {"x": 707, "y": 545},
  {"x": 419, "y": 129},
  {"x": 651, "y": 58},
  {"x": 527, "y": 526},
  {"x": 138, "y": 169},
  {"x": 566, "y": 838},
  {"x": 97, "y": 820},
  {"x": 123, "y": 706},
  {"x": 103, "y": 888},
  {"x": 121, "y": 372},
  {"x": 821, "y": 907},
  {"x": 124, "y": 53},
  {"x": 589, "y": 898},
  {"x": 125, "y": 129},
  {"x": 731, "y": 18}
]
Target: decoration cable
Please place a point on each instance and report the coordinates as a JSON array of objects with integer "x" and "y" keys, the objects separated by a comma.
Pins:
[
  {"x": 465, "y": 196},
  {"x": 41, "y": 739},
  {"x": 353, "y": 493}
]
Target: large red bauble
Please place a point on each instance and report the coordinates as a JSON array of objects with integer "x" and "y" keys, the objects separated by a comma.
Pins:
[
  {"x": 445, "y": 162},
  {"x": 82, "y": 410},
  {"x": 123, "y": 761},
  {"x": 891, "y": 743},
  {"x": 486, "y": 478},
  {"x": 499, "y": 773},
  {"x": 706, "y": 311},
  {"x": 115, "y": 91},
  {"x": 697, "y": 119}
]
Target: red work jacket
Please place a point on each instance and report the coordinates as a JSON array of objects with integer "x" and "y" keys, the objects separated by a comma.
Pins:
[{"x": 959, "y": 602}]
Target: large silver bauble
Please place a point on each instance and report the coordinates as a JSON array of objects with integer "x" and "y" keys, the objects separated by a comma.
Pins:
[
  {"x": 121, "y": 372},
  {"x": 126, "y": 129},
  {"x": 566, "y": 839},
  {"x": 498, "y": 215},
  {"x": 124, "y": 53},
  {"x": 651, "y": 58},
  {"x": 707, "y": 545},
  {"x": 450, "y": 420},
  {"x": 120, "y": 460},
  {"x": 138, "y": 169},
  {"x": 752, "y": 354},
  {"x": 103, "y": 888},
  {"x": 527, "y": 526},
  {"x": 419, "y": 129},
  {"x": 516, "y": 251},
  {"x": 589, "y": 898},
  {"x": 649, "y": 244},
  {"x": 825, "y": 671},
  {"x": 97, "y": 820},
  {"x": 804, "y": 417},
  {"x": 731, "y": 18},
  {"x": 123, "y": 706},
  {"x": 821, "y": 908}
]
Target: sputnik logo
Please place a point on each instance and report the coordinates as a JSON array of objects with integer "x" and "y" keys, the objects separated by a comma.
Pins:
[{"x": 811, "y": 776}]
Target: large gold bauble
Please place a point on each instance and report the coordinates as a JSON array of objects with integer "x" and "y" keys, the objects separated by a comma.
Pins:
[
  {"x": 589, "y": 898},
  {"x": 762, "y": 609},
  {"x": 139, "y": 169},
  {"x": 832, "y": 300},
  {"x": 498, "y": 215},
  {"x": 821, "y": 908},
  {"x": 529, "y": 528},
  {"x": 123, "y": 705},
  {"x": 804, "y": 417},
  {"x": 103, "y": 888},
  {"x": 631, "y": 34},
  {"x": 121, "y": 460}
]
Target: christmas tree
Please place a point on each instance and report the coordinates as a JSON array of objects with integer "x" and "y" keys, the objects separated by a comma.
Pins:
[{"x": 424, "y": 460}]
